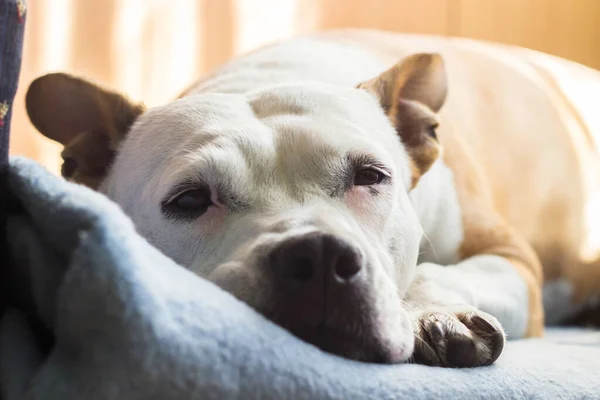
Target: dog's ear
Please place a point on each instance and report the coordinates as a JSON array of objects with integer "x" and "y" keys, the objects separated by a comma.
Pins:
[
  {"x": 88, "y": 120},
  {"x": 411, "y": 93}
]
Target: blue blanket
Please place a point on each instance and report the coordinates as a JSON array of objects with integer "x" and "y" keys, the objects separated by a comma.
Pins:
[{"x": 129, "y": 323}]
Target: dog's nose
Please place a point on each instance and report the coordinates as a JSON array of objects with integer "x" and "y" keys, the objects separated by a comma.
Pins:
[{"x": 314, "y": 258}]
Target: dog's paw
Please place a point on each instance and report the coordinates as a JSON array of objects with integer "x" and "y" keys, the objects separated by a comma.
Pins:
[{"x": 459, "y": 339}]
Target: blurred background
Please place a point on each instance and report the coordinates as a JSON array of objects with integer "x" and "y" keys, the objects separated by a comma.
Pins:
[{"x": 153, "y": 49}]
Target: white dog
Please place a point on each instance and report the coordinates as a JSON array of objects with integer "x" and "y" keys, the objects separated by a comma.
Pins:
[{"x": 308, "y": 180}]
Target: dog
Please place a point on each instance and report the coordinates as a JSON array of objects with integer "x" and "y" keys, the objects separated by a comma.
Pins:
[{"x": 386, "y": 197}]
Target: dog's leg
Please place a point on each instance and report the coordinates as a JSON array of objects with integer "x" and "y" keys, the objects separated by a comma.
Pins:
[{"x": 463, "y": 312}]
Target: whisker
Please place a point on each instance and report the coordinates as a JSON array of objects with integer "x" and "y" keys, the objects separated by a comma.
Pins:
[{"x": 432, "y": 248}]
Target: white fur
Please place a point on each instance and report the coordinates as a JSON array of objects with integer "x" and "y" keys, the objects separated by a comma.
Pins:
[
  {"x": 436, "y": 203},
  {"x": 489, "y": 283},
  {"x": 278, "y": 148},
  {"x": 276, "y": 126}
]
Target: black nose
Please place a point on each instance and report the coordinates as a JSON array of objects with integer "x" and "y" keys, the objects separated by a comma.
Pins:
[{"x": 311, "y": 259}]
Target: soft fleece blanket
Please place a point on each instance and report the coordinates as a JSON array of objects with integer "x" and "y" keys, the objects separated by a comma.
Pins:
[{"x": 129, "y": 323}]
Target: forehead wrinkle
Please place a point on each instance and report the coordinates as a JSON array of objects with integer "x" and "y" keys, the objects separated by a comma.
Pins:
[
  {"x": 305, "y": 163},
  {"x": 187, "y": 123},
  {"x": 213, "y": 164},
  {"x": 253, "y": 151}
]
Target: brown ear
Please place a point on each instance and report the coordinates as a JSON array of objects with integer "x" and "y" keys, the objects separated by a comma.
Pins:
[
  {"x": 89, "y": 121},
  {"x": 411, "y": 92}
]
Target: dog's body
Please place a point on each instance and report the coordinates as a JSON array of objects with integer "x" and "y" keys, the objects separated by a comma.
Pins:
[{"x": 262, "y": 145}]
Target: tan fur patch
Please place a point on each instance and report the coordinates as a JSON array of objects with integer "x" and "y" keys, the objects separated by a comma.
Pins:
[
  {"x": 486, "y": 232},
  {"x": 410, "y": 93},
  {"x": 415, "y": 123}
]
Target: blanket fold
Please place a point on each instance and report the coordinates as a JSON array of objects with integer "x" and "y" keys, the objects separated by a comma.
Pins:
[{"x": 129, "y": 323}]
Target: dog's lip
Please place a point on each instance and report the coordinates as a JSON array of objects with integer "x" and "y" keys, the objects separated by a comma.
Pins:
[{"x": 359, "y": 346}]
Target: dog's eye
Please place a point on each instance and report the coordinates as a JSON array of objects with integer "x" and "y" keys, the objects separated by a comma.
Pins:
[
  {"x": 189, "y": 204},
  {"x": 367, "y": 177}
]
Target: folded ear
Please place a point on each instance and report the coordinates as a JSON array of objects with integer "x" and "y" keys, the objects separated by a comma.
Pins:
[
  {"x": 88, "y": 120},
  {"x": 411, "y": 93}
]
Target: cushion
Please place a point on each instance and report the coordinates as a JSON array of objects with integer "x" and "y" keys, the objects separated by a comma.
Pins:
[{"x": 128, "y": 323}]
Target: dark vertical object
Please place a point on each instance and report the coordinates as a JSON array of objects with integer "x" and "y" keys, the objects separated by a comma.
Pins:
[{"x": 12, "y": 26}]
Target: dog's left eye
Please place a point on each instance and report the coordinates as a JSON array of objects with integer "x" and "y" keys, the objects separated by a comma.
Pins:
[
  {"x": 189, "y": 204},
  {"x": 367, "y": 177}
]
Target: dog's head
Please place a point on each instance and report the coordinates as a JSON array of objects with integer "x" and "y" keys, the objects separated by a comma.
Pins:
[{"x": 294, "y": 197}]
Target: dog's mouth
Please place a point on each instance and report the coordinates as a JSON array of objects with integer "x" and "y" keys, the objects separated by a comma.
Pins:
[{"x": 366, "y": 345}]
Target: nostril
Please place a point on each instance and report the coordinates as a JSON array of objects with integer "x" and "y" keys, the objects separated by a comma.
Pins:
[
  {"x": 306, "y": 260},
  {"x": 347, "y": 266},
  {"x": 301, "y": 269}
]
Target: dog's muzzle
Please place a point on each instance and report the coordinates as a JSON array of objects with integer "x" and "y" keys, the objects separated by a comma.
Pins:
[
  {"x": 324, "y": 295},
  {"x": 322, "y": 288}
]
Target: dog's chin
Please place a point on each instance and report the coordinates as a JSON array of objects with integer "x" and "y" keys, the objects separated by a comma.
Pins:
[{"x": 358, "y": 346}]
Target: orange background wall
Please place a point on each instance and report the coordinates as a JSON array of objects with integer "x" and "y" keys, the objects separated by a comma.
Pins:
[{"x": 152, "y": 49}]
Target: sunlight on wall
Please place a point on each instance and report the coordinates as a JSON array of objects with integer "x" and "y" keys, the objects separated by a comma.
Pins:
[
  {"x": 152, "y": 49},
  {"x": 182, "y": 35},
  {"x": 264, "y": 22},
  {"x": 155, "y": 46},
  {"x": 127, "y": 40},
  {"x": 55, "y": 49}
]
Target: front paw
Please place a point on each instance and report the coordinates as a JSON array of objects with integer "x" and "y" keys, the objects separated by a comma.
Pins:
[{"x": 457, "y": 339}]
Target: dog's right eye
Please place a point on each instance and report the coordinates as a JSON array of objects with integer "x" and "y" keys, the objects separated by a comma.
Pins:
[{"x": 189, "y": 204}]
